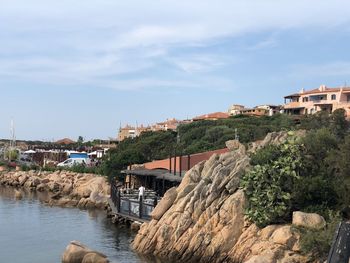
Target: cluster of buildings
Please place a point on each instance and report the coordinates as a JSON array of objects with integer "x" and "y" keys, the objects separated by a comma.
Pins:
[
  {"x": 304, "y": 102},
  {"x": 130, "y": 131}
]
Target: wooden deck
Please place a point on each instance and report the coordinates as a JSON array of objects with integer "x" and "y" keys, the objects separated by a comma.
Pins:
[{"x": 128, "y": 217}]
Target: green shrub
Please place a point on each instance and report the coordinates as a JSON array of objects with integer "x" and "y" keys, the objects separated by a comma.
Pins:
[
  {"x": 269, "y": 186},
  {"x": 269, "y": 154}
]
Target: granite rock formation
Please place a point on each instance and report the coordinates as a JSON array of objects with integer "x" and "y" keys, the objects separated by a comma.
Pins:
[
  {"x": 64, "y": 188},
  {"x": 203, "y": 219}
]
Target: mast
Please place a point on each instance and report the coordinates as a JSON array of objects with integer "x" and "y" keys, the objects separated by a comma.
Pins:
[{"x": 13, "y": 135}]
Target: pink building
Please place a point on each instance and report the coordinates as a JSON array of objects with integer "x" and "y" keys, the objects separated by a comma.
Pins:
[{"x": 316, "y": 100}]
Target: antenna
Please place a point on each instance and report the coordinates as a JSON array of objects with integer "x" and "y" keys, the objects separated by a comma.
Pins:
[{"x": 13, "y": 136}]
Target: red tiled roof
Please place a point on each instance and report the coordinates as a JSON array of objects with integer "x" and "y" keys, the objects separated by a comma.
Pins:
[
  {"x": 65, "y": 141},
  {"x": 215, "y": 115},
  {"x": 318, "y": 91}
]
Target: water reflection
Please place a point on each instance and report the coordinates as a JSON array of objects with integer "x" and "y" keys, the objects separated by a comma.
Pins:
[{"x": 42, "y": 232}]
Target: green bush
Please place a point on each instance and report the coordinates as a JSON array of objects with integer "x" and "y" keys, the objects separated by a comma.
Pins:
[
  {"x": 269, "y": 186},
  {"x": 318, "y": 186}
]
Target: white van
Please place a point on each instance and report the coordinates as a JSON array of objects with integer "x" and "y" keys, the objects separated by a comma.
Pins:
[{"x": 75, "y": 161}]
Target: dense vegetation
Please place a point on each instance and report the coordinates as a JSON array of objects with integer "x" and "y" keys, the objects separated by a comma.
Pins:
[
  {"x": 192, "y": 138},
  {"x": 311, "y": 174}
]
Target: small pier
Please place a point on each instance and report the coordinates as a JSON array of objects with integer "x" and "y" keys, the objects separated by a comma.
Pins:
[{"x": 129, "y": 206}]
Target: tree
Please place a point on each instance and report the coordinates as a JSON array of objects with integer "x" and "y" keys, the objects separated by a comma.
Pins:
[
  {"x": 339, "y": 124},
  {"x": 80, "y": 140}
]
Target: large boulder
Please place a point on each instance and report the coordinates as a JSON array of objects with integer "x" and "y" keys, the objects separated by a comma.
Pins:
[
  {"x": 94, "y": 257},
  {"x": 308, "y": 220},
  {"x": 164, "y": 204},
  {"x": 76, "y": 252}
]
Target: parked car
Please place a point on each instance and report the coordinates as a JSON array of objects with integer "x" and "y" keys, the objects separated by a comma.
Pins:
[{"x": 70, "y": 162}]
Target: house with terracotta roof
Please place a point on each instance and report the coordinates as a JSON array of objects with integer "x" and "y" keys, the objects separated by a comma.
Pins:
[
  {"x": 212, "y": 116},
  {"x": 169, "y": 124},
  {"x": 316, "y": 100},
  {"x": 129, "y": 131}
]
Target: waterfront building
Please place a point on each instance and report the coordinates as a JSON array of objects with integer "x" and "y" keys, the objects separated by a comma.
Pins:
[
  {"x": 161, "y": 175},
  {"x": 316, "y": 100}
]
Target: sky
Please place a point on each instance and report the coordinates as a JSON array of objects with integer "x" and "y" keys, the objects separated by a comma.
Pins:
[{"x": 82, "y": 68}]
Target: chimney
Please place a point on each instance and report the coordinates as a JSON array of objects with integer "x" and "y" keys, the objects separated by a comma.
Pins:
[
  {"x": 322, "y": 88},
  {"x": 302, "y": 90}
]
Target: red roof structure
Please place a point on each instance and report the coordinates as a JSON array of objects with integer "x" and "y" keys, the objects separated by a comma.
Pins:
[
  {"x": 212, "y": 116},
  {"x": 65, "y": 141}
]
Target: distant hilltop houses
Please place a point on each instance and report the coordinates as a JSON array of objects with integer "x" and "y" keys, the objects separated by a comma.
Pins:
[
  {"x": 316, "y": 100},
  {"x": 129, "y": 131},
  {"x": 297, "y": 104}
]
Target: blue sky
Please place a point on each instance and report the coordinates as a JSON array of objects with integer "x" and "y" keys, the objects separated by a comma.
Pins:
[{"x": 70, "y": 68}]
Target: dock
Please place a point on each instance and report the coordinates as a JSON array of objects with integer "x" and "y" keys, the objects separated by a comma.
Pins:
[{"x": 130, "y": 207}]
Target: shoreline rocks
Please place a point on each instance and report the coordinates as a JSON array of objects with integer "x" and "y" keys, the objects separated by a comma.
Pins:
[
  {"x": 76, "y": 252},
  {"x": 64, "y": 188}
]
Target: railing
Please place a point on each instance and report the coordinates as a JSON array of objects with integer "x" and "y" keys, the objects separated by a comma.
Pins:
[
  {"x": 132, "y": 206},
  {"x": 340, "y": 250}
]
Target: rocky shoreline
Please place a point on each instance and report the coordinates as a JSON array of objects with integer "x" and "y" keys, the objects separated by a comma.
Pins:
[
  {"x": 203, "y": 219},
  {"x": 66, "y": 189}
]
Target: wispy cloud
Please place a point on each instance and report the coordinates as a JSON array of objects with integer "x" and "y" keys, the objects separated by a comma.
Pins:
[{"x": 99, "y": 42}]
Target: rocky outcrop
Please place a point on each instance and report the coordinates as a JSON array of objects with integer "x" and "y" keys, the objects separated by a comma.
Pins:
[
  {"x": 203, "y": 219},
  {"x": 79, "y": 253},
  {"x": 65, "y": 188},
  {"x": 308, "y": 220}
]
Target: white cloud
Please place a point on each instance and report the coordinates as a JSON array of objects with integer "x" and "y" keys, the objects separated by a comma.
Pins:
[
  {"x": 79, "y": 42},
  {"x": 199, "y": 63}
]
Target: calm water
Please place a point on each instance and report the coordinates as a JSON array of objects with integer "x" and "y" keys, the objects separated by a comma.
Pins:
[{"x": 31, "y": 232}]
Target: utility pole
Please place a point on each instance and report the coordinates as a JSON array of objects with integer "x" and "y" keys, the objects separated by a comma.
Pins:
[{"x": 236, "y": 135}]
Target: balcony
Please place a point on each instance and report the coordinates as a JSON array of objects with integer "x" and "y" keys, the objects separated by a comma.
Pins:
[
  {"x": 322, "y": 101},
  {"x": 292, "y": 105}
]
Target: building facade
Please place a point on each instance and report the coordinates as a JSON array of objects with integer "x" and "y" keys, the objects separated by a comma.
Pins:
[
  {"x": 235, "y": 109},
  {"x": 316, "y": 100}
]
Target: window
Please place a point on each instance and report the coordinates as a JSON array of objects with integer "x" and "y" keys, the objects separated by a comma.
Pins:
[
  {"x": 305, "y": 99},
  {"x": 334, "y": 97}
]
